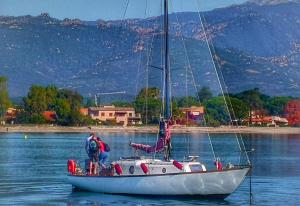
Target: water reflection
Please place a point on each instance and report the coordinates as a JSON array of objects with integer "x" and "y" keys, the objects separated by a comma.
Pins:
[
  {"x": 275, "y": 155},
  {"x": 84, "y": 198},
  {"x": 32, "y": 171}
]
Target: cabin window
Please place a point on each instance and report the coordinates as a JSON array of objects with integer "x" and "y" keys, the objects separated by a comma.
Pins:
[
  {"x": 130, "y": 114},
  {"x": 110, "y": 114},
  {"x": 164, "y": 170},
  {"x": 131, "y": 169},
  {"x": 196, "y": 168},
  {"x": 102, "y": 114}
]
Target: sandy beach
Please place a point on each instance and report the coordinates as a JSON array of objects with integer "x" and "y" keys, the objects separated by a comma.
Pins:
[{"x": 148, "y": 129}]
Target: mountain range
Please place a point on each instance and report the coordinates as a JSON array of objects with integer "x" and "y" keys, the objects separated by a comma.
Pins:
[{"x": 255, "y": 44}]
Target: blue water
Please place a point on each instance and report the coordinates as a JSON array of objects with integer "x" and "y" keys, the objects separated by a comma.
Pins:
[{"x": 33, "y": 170}]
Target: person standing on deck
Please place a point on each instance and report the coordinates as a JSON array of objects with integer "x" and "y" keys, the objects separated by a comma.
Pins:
[
  {"x": 104, "y": 152},
  {"x": 92, "y": 149}
]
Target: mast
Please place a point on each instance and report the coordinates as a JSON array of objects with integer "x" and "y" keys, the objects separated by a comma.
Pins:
[
  {"x": 167, "y": 102},
  {"x": 164, "y": 135}
]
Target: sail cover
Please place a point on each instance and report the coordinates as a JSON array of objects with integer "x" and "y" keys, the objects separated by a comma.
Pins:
[{"x": 163, "y": 140}]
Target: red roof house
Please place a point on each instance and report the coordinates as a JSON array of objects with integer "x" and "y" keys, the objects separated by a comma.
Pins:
[{"x": 50, "y": 116}]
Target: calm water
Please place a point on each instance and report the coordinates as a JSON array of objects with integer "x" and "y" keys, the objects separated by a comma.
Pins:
[{"x": 32, "y": 170}]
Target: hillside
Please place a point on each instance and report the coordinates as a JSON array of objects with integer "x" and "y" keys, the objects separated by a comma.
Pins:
[{"x": 257, "y": 45}]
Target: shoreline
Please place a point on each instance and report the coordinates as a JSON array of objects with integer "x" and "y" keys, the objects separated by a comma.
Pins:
[{"x": 147, "y": 129}]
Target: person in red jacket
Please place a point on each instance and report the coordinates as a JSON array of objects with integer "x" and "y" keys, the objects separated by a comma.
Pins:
[{"x": 104, "y": 152}]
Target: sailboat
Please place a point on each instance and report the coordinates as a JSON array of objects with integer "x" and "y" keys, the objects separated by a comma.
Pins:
[{"x": 149, "y": 176}]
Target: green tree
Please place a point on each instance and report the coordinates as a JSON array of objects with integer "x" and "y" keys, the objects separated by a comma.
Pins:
[
  {"x": 122, "y": 104},
  {"x": 238, "y": 109},
  {"x": 36, "y": 100},
  {"x": 68, "y": 106},
  {"x": 34, "y": 105},
  {"x": 37, "y": 119},
  {"x": 63, "y": 111},
  {"x": 205, "y": 94},
  {"x": 216, "y": 112},
  {"x": 66, "y": 103},
  {"x": 253, "y": 98},
  {"x": 148, "y": 104},
  {"x": 187, "y": 101},
  {"x": 4, "y": 98},
  {"x": 175, "y": 108},
  {"x": 276, "y": 105},
  {"x": 51, "y": 96}
]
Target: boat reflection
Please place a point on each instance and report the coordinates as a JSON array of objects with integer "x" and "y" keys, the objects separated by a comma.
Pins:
[{"x": 95, "y": 199}]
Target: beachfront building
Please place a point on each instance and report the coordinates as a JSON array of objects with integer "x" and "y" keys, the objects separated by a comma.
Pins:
[
  {"x": 84, "y": 111},
  {"x": 120, "y": 115},
  {"x": 259, "y": 118},
  {"x": 10, "y": 116},
  {"x": 50, "y": 116},
  {"x": 191, "y": 115}
]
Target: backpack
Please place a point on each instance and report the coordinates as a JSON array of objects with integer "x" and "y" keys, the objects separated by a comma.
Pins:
[
  {"x": 93, "y": 146},
  {"x": 106, "y": 148}
]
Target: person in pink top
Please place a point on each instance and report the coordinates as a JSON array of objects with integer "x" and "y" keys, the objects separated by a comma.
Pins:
[
  {"x": 218, "y": 164},
  {"x": 104, "y": 152}
]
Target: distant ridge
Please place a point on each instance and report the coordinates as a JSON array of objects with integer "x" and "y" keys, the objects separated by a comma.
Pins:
[
  {"x": 257, "y": 46},
  {"x": 273, "y": 2}
]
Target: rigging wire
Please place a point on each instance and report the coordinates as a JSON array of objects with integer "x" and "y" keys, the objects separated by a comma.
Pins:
[
  {"x": 162, "y": 56},
  {"x": 238, "y": 135},
  {"x": 140, "y": 47},
  {"x": 170, "y": 87},
  {"x": 220, "y": 76},
  {"x": 163, "y": 82},
  {"x": 147, "y": 78},
  {"x": 194, "y": 82},
  {"x": 120, "y": 27},
  {"x": 150, "y": 48},
  {"x": 118, "y": 34},
  {"x": 149, "y": 58},
  {"x": 223, "y": 81},
  {"x": 186, "y": 103}
]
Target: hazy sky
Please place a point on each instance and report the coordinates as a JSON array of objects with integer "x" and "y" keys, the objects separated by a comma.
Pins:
[{"x": 102, "y": 9}]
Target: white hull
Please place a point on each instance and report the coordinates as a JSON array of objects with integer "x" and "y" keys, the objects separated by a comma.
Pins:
[{"x": 215, "y": 183}]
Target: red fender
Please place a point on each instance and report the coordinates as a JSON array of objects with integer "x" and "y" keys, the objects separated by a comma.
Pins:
[
  {"x": 178, "y": 165},
  {"x": 72, "y": 167},
  {"x": 219, "y": 166},
  {"x": 118, "y": 169},
  {"x": 144, "y": 168}
]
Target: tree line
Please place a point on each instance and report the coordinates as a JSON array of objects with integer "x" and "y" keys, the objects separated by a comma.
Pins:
[
  {"x": 66, "y": 103},
  {"x": 219, "y": 109}
]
